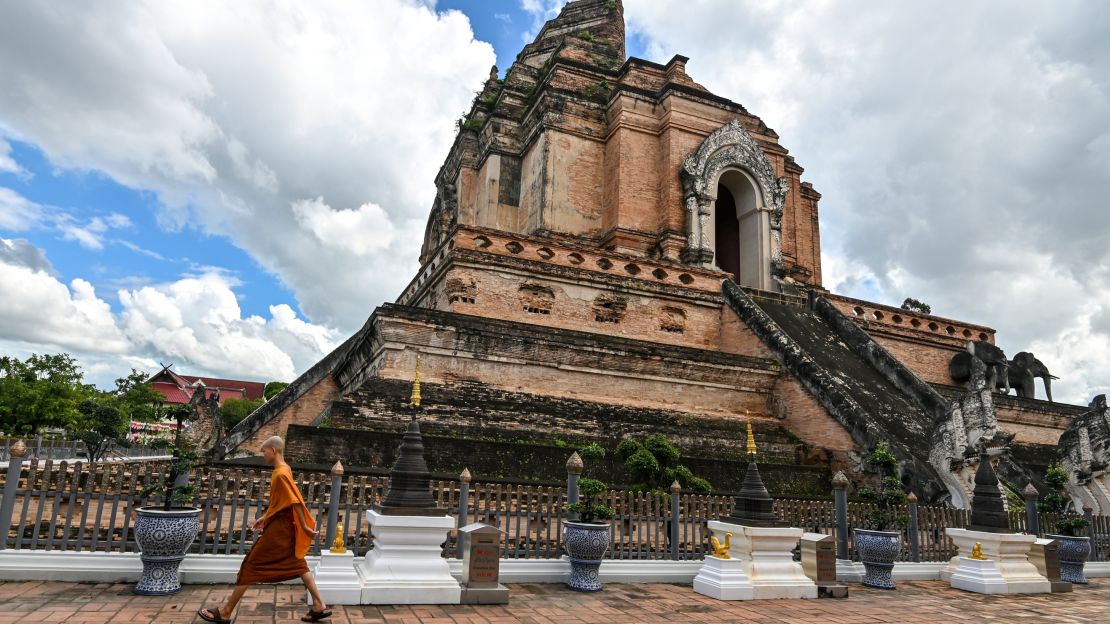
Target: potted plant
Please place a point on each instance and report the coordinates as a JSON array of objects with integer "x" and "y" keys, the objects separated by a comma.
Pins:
[
  {"x": 586, "y": 538},
  {"x": 1072, "y": 548},
  {"x": 164, "y": 532},
  {"x": 878, "y": 547}
]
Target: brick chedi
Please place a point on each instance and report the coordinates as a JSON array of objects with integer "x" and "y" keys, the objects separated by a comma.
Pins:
[{"x": 614, "y": 250}]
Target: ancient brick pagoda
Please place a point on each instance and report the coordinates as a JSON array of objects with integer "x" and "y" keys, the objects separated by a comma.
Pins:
[{"x": 614, "y": 250}]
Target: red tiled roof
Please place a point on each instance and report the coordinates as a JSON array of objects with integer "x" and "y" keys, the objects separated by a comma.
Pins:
[
  {"x": 248, "y": 389},
  {"x": 172, "y": 393},
  {"x": 179, "y": 389}
]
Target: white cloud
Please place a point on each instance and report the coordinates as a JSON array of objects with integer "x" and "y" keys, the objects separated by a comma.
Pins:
[
  {"x": 40, "y": 309},
  {"x": 7, "y": 163},
  {"x": 362, "y": 231},
  {"x": 960, "y": 150},
  {"x": 235, "y": 113},
  {"x": 194, "y": 321},
  {"x": 17, "y": 213}
]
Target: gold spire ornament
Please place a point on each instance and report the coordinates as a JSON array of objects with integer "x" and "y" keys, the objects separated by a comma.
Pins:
[
  {"x": 414, "y": 400},
  {"x": 977, "y": 552},
  {"x": 720, "y": 550},
  {"x": 338, "y": 547},
  {"x": 751, "y": 437}
]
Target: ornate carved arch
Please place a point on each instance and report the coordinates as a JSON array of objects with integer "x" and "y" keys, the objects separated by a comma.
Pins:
[{"x": 729, "y": 146}]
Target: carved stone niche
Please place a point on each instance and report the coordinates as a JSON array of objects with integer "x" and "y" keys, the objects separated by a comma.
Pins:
[
  {"x": 730, "y": 146},
  {"x": 672, "y": 320},
  {"x": 536, "y": 298},
  {"x": 460, "y": 289},
  {"x": 609, "y": 308}
]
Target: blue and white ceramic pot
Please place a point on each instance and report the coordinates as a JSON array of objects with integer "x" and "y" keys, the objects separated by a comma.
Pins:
[
  {"x": 586, "y": 544},
  {"x": 163, "y": 538},
  {"x": 1073, "y": 553},
  {"x": 878, "y": 550}
]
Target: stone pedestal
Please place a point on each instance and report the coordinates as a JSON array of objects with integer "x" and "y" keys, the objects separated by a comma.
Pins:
[
  {"x": 979, "y": 576},
  {"x": 1045, "y": 557},
  {"x": 723, "y": 579},
  {"x": 406, "y": 565},
  {"x": 1010, "y": 554},
  {"x": 337, "y": 579},
  {"x": 766, "y": 554}
]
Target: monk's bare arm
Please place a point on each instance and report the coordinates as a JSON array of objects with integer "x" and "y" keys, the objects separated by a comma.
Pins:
[{"x": 302, "y": 520}]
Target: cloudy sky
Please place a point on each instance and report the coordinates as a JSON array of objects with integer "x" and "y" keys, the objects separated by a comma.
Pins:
[{"x": 233, "y": 187}]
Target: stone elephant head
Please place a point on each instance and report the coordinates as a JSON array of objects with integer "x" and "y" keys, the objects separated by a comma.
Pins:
[{"x": 1024, "y": 368}]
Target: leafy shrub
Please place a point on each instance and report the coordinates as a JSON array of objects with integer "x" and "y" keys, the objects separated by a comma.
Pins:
[
  {"x": 588, "y": 509},
  {"x": 1056, "y": 501},
  {"x": 654, "y": 466},
  {"x": 889, "y": 496}
]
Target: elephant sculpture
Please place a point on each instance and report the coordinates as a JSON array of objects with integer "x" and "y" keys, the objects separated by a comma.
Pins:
[
  {"x": 1022, "y": 372},
  {"x": 993, "y": 357}
]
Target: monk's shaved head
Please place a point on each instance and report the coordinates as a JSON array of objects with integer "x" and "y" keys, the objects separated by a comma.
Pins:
[{"x": 274, "y": 442}]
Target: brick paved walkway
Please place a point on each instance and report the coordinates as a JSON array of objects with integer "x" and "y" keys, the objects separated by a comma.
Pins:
[{"x": 925, "y": 601}]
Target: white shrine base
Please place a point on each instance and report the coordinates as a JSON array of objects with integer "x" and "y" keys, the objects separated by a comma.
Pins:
[
  {"x": 979, "y": 576},
  {"x": 766, "y": 554},
  {"x": 1009, "y": 552},
  {"x": 406, "y": 565},
  {"x": 337, "y": 579},
  {"x": 723, "y": 579}
]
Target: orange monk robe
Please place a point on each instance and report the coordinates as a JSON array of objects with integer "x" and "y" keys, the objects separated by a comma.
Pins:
[{"x": 278, "y": 554}]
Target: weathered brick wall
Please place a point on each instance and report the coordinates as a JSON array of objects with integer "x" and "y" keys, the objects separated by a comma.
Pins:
[
  {"x": 480, "y": 411},
  {"x": 527, "y": 462},
  {"x": 804, "y": 417},
  {"x": 303, "y": 410}
]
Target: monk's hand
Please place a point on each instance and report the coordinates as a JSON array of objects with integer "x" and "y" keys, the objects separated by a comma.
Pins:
[
  {"x": 258, "y": 525},
  {"x": 312, "y": 532}
]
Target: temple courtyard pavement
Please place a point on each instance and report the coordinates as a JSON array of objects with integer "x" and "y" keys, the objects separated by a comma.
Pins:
[{"x": 917, "y": 601}]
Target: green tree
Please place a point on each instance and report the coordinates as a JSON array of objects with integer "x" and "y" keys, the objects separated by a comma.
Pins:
[
  {"x": 1056, "y": 500},
  {"x": 590, "y": 509},
  {"x": 654, "y": 465},
  {"x": 890, "y": 495},
  {"x": 137, "y": 399},
  {"x": 102, "y": 425},
  {"x": 41, "y": 392},
  {"x": 234, "y": 410},
  {"x": 913, "y": 305},
  {"x": 273, "y": 388}
]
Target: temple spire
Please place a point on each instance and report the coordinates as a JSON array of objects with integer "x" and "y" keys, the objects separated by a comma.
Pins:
[
  {"x": 754, "y": 506},
  {"x": 988, "y": 511},
  {"x": 410, "y": 481}
]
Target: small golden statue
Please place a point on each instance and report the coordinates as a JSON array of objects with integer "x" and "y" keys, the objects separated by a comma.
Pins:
[
  {"x": 338, "y": 547},
  {"x": 977, "y": 552},
  {"x": 720, "y": 550}
]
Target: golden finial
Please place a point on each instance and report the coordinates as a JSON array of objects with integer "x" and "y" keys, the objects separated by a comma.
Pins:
[
  {"x": 338, "y": 547},
  {"x": 720, "y": 550},
  {"x": 751, "y": 436},
  {"x": 415, "y": 399},
  {"x": 977, "y": 552}
]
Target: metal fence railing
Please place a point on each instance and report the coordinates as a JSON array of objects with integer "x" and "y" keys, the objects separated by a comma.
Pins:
[{"x": 74, "y": 506}]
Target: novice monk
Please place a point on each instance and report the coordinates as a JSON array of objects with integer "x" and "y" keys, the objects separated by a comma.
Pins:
[{"x": 278, "y": 553}]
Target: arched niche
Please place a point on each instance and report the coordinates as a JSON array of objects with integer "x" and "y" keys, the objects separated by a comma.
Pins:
[{"x": 730, "y": 169}]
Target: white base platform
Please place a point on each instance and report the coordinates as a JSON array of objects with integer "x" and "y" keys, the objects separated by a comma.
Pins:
[
  {"x": 337, "y": 579},
  {"x": 1008, "y": 551},
  {"x": 768, "y": 560},
  {"x": 405, "y": 565},
  {"x": 979, "y": 576},
  {"x": 723, "y": 579}
]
